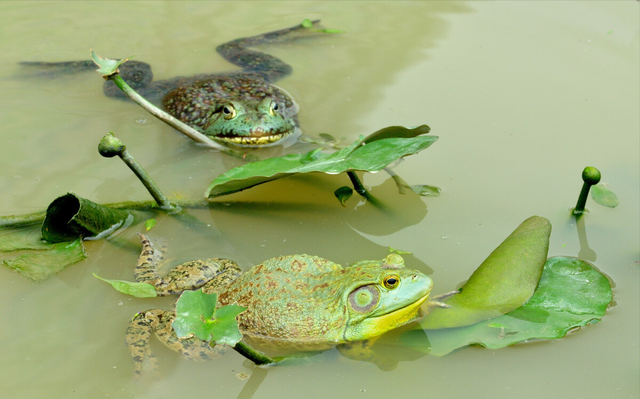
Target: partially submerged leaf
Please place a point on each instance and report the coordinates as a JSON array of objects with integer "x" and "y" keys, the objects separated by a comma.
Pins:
[
  {"x": 23, "y": 238},
  {"x": 71, "y": 216},
  {"x": 40, "y": 265},
  {"x": 196, "y": 314},
  {"x": 148, "y": 225},
  {"x": 571, "y": 294},
  {"x": 426, "y": 191},
  {"x": 382, "y": 149},
  {"x": 603, "y": 196},
  {"x": 398, "y": 251},
  {"x": 133, "y": 288},
  {"x": 343, "y": 194},
  {"x": 502, "y": 283}
]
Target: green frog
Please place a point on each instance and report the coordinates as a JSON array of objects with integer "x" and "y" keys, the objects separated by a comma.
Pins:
[
  {"x": 241, "y": 108},
  {"x": 296, "y": 302}
]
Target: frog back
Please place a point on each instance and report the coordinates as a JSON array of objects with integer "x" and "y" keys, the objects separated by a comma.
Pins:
[{"x": 292, "y": 301}]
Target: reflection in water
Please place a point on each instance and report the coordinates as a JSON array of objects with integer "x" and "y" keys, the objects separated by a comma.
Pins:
[
  {"x": 258, "y": 375},
  {"x": 585, "y": 253}
]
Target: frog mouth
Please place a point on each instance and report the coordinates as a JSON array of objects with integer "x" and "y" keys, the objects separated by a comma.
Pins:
[{"x": 253, "y": 140}]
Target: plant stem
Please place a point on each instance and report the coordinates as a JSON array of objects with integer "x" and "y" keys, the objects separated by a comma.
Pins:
[
  {"x": 163, "y": 116},
  {"x": 590, "y": 176},
  {"x": 360, "y": 189},
  {"x": 357, "y": 184},
  {"x": 255, "y": 356},
  {"x": 146, "y": 180}
]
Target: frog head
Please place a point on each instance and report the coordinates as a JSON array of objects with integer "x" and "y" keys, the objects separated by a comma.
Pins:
[
  {"x": 248, "y": 123},
  {"x": 386, "y": 296}
]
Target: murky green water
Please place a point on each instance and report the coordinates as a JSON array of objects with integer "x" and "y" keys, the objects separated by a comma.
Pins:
[{"x": 522, "y": 94}]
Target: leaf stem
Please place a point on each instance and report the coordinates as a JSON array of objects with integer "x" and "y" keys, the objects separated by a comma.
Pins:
[
  {"x": 357, "y": 184},
  {"x": 590, "y": 176},
  {"x": 255, "y": 356},
  {"x": 111, "y": 146}
]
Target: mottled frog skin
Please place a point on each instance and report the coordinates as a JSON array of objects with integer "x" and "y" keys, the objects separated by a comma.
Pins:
[
  {"x": 241, "y": 108},
  {"x": 295, "y": 302}
]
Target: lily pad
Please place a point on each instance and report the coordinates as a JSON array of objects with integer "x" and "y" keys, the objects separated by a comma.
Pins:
[
  {"x": 40, "y": 265},
  {"x": 571, "y": 294},
  {"x": 502, "y": 283},
  {"x": 196, "y": 314},
  {"x": 369, "y": 154}
]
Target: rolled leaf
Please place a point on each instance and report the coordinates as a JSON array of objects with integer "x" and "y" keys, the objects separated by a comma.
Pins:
[{"x": 71, "y": 216}]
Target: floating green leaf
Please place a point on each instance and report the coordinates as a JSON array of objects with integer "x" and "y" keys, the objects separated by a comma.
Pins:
[
  {"x": 369, "y": 154},
  {"x": 133, "y": 288},
  {"x": 571, "y": 294},
  {"x": 196, "y": 314},
  {"x": 502, "y": 283},
  {"x": 603, "y": 196},
  {"x": 23, "y": 238},
  {"x": 148, "y": 225},
  {"x": 343, "y": 194},
  {"x": 426, "y": 191},
  {"x": 40, "y": 265},
  {"x": 71, "y": 216}
]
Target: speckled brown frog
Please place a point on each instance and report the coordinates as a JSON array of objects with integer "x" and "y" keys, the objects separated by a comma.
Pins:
[{"x": 241, "y": 108}]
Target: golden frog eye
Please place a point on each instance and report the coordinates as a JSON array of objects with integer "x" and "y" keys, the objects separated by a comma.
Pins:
[
  {"x": 273, "y": 108},
  {"x": 391, "y": 281},
  {"x": 229, "y": 112}
]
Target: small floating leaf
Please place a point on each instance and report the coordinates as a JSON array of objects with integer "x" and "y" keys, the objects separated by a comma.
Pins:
[
  {"x": 148, "y": 225},
  {"x": 40, "y": 265},
  {"x": 196, "y": 314},
  {"x": 133, "y": 288},
  {"x": 343, "y": 194},
  {"x": 307, "y": 23},
  {"x": 426, "y": 191},
  {"x": 603, "y": 196}
]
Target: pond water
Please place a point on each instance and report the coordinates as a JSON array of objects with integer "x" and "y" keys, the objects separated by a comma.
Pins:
[{"x": 523, "y": 96}]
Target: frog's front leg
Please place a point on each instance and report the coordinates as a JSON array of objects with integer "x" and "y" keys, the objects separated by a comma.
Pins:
[
  {"x": 212, "y": 274},
  {"x": 158, "y": 321}
]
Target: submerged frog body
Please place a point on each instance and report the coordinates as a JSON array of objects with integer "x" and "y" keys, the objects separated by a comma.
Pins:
[
  {"x": 295, "y": 302},
  {"x": 241, "y": 108}
]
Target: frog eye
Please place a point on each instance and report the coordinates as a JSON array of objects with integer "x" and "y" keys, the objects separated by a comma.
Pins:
[
  {"x": 273, "y": 108},
  {"x": 391, "y": 281},
  {"x": 364, "y": 299},
  {"x": 229, "y": 112}
]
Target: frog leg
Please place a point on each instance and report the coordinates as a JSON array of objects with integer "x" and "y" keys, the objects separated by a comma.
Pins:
[
  {"x": 158, "y": 321},
  {"x": 186, "y": 276},
  {"x": 268, "y": 66},
  {"x": 137, "y": 338}
]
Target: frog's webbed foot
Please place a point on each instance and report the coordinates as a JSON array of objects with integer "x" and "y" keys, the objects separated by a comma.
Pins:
[
  {"x": 436, "y": 301},
  {"x": 137, "y": 338},
  {"x": 270, "y": 67},
  {"x": 157, "y": 321}
]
